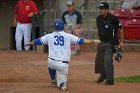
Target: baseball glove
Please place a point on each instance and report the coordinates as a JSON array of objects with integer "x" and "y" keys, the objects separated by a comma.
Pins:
[{"x": 118, "y": 54}]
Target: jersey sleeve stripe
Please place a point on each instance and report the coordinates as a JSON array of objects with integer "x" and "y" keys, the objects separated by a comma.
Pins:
[
  {"x": 78, "y": 41},
  {"x": 41, "y": 41},
  {"x": 81, "y": 41}
]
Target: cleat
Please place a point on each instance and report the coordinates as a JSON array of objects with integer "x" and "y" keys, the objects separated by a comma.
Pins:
[
  {"x": 64, "y": 87},
  {"x": 54, "y": 83}
]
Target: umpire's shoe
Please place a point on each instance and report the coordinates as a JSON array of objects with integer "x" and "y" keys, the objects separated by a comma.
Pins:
[
  {"x": 100, "y": 80},
  {"x": 109, "y": 82}
]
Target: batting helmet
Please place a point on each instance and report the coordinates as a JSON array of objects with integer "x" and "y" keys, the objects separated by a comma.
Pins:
[{"x": 58, "y": 24}]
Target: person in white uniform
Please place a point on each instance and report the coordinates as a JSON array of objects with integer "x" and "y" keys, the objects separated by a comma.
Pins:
[{"x": 59, "y": 52}]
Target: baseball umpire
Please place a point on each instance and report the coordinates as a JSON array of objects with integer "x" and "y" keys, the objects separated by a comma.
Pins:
[
  {"x": 59, "y": 52},
  {"x": 108, "y": 26}
]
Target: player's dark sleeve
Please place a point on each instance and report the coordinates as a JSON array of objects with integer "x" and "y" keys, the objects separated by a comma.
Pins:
[
  {"x": 63, "y": 17},
  {"x": 79, "y": 17}
]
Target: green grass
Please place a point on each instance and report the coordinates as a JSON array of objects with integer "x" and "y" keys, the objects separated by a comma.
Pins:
[{"x": 129, "y": 79}]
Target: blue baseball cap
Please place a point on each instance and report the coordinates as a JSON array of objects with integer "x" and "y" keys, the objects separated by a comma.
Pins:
[{"x": 58, "y": 24}]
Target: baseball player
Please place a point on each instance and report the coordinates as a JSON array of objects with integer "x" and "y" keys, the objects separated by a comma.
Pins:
[
  {"x": 59, "y": 52},
  {"x": 24, "y": 11}
]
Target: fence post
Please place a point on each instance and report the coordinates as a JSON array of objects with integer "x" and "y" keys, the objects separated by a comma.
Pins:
[
  {"x": 33, "y": 27},
  {"x": 41, "y": 22}
]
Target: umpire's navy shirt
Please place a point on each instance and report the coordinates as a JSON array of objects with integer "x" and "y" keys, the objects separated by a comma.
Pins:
[{"x": 108, "y": 28}]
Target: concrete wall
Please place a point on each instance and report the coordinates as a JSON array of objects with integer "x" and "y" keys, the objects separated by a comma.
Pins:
[{"x": 6, "y": 20}]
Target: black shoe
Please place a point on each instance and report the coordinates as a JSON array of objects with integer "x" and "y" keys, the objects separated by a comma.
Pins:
[
  {"x": 100, "y": 80},
  {"x": 77, "y": 52},
  {"x": 109, "y": 82}
]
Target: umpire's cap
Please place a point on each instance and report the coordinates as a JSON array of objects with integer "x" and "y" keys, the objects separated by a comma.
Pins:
[
  {"x": 58, "y": 24},
  {"x": 103, "y": 5}
]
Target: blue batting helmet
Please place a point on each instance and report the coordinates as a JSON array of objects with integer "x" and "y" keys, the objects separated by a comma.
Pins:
[{"x": 58, "y": 24}]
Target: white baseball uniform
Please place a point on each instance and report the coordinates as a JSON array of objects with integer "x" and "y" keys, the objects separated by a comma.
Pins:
[
  {"x": 23, "y": 30},
  {"x": 60, "y": 52}
]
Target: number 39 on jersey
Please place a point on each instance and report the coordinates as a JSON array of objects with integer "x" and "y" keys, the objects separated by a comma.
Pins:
[{"x": 59, "y": 40}]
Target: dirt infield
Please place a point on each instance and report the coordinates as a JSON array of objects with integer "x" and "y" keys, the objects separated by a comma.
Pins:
[{"x": 26, "y": 72}]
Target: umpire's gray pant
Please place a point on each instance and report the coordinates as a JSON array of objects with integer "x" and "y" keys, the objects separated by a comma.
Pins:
[{"x": 104, "y": 61}]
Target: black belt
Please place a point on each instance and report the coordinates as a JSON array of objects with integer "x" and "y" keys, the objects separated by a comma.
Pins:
[
  {"x": 60, "y": 60},
  {"x": 104, "y": 44}
]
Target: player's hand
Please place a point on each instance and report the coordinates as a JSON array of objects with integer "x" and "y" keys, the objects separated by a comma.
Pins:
[
  {"x": 30, "y": 44},
  {"x": 121, "y": 44},
  {"x": 27, "y": 45},
  {"x": 96, "y": 41},
  {"x": 92, "y": 41},
  {"x": 31, "y": 14}
]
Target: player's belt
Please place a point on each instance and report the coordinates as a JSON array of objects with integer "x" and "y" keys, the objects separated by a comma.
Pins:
[{"x": 60, "y": 60}]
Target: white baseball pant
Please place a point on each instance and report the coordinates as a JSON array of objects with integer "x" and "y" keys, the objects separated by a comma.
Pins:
[
  {"x": 23, "y": 30},
  {"x": 61, "y": 70}
]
